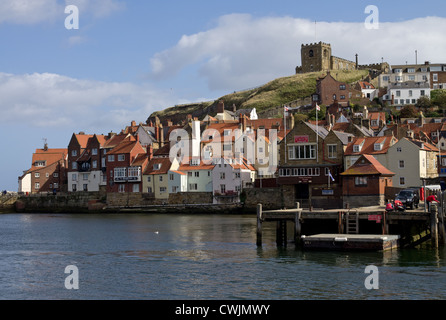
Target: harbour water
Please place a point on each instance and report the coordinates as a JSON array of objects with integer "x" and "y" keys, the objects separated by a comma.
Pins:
[{"x": 195, "y": 257}]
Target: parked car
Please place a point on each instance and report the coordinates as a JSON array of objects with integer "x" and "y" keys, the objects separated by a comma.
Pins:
[{"x": 409, "y": 197}]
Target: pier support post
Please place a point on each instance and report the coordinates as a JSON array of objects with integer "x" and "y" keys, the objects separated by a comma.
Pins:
[
  {"x": 434, "y": 223},
  {"x": 297, "y": 225},
  {"x": 259, "y": 224},
  {"x": 281, "y": 233}
]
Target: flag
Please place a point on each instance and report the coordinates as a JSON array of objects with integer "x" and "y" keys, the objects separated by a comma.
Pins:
[
  {"x": 329, "y": 173},
  {"x": 317, "y": 107}
]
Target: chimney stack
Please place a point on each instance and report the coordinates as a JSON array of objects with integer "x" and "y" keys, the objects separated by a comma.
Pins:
[{"x": 150, "y": 152}]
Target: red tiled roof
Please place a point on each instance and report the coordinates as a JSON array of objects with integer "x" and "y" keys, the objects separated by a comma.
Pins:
[
  {"x": 50, "y": 157},
  {"x": 165, "y": 166},
  {"x": 369, "y": 145},
  {"x": 367, "y": 165}
]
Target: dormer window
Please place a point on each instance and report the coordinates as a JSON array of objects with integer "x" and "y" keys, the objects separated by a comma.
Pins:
[
  {"x": 157, "y": 166},
  {"x": 40, "y": 163},
  {"x": 194, "y": 162},
  {"x": 356, "y": 148},
  {"x": 378, "y": 147}
]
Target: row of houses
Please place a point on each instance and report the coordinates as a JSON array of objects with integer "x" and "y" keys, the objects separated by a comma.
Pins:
[{"x": 322, "y": 164}]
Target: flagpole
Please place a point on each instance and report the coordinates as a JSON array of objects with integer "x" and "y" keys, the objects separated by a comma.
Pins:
[
  {"x": 317, "y": 136},
  {"x": 284, "y": 125}
]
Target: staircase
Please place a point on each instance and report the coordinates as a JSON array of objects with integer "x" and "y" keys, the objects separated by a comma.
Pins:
[{"x": 352, "y": 222}]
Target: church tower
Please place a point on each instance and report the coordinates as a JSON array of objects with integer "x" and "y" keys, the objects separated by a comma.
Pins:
[{"x": 315, "y": 57}]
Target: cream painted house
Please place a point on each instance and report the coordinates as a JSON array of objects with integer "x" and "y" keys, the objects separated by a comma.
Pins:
[{"x": 412, "y": 161}]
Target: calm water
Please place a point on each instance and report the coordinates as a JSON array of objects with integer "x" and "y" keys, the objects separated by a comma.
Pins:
[{"x": 194, "y": 257}]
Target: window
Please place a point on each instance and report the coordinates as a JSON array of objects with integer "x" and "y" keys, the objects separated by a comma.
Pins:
[
  {"x": 171, "y": 177},
  {"x": 149, "y": 189},
  {"x": 222, "y": 175},
  {"x": 157, "y": 166},
  {"x": 193, "y": 187},
  {"x": 120, "y": 173},
  {"x": 435, "y": 77},
  {"x": 121, "y": 157},
  {"x": 55, "y": 175},
  {"x": 356, "y": 148},
  {"x": 95, "y": 164},
  {"x": 378, "y": 146},
  {"x": 360, "y": 181},
  {"x": 342, "y": 97},
  {"x": 161, "y": 178},
  {"x": 402, "y": 181},
  {"x": 40, "y": 164},
  {"x": 55, "y": 185},
  {"x": 422, "y": 93},
  {"x": 306, "y": 151},
  {"x": 74, "y": 165},
  {"x": 111, "y": 158},
  {"x": 398, "y": 93},
  {"x": 149, "y": 179},
  {"x": 121, "y": 188},
  {"x": 37, "y": 186},
  {"x": 94, "y": 151},
  {"x": 332, "y": 151},
  {"x": 222, "y": 188},
  {"x": 85, "y": 176},
  {"x": 134, "y": 172},
  {"x": 410, "y": 93},
  {"x": 36, "y": 175},
  {"x": 411, "y": 78},
  {"x": 401, "y": 164},
  {"x": 163, "y": 189},
  {"x": 398, "y": 149},
  {"x": 85, "y": 187},
  {"x": 410, "y": 70},
  {"x": 197, "y": 174},
  {"x": 237, "y": 175},
  {"x": 74, "y": 187},
  {"x": 342, "y": 87},
  {"x": 189, "y": 174},
  {"x": 136, "y": 188},
  {"x": 74, "y": 153}
]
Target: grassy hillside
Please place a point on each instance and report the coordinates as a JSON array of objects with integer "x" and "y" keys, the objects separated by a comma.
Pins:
[{"x": 269, "y": 96}]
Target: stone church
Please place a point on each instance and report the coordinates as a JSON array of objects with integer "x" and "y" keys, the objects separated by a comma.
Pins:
[{"x": 317, "y": 57}]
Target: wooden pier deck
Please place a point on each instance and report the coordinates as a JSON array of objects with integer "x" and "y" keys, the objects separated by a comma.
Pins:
[
  {"x": 348, "y": 222},
  {"x": 351, "y": 242}
]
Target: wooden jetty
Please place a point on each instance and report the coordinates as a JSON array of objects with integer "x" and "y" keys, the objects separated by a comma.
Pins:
[{"x": 348, "y": 222}]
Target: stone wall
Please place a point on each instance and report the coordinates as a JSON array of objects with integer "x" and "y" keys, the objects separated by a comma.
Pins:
[
  {"x": 63, "y": 203},
  {"x": 270, "y": 198},
  {"x": 358, "y": 201},
  {"x": 190, "y": 198}
]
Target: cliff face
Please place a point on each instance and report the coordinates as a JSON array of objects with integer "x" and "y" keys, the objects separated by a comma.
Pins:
[{"x": 268, "y": 99}]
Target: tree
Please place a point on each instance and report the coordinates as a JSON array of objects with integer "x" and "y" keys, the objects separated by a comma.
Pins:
[
  {"x": 438, "y": 97},
  {"x": 320, "y": 114},
  {"x": 409, "y": 111},
  {"x": 424, "y": 102}
]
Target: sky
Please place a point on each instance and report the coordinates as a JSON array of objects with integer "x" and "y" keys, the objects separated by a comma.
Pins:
[{"x": 128, "y": 58}]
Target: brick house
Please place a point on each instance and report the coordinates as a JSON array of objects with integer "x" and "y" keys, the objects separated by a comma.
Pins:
[
  {"x": 310, "y": 163},
  {"x": 365, "y": 182},
  {"x": 125, "y": 164},
  {"x": 86, "y": 170},
  {"x": 47, "y": 172},
  {"x": 329, "y": 91}
]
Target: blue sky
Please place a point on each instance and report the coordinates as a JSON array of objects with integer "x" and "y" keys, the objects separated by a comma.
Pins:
[{"x": 131, "y": 58}]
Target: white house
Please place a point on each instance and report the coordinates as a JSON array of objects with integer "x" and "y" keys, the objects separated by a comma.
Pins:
[
  {"x": 229, "y": 177},
  {"x": 404, "y": 73},
  {"x": 404, "y": 93}
]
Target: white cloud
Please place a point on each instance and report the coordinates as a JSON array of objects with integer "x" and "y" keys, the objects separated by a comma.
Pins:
[
  {"x": 51, "y": 100},
  {"x": 29, "y": 11},
  {"x": 242, "y": 51}
]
